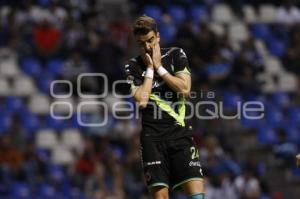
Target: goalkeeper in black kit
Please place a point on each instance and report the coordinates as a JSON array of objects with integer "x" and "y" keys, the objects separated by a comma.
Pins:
[{"x": 160, "y": 80}]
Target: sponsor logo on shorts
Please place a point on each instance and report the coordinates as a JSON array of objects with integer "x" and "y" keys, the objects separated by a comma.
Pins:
[{"x": 194, "y": 164}]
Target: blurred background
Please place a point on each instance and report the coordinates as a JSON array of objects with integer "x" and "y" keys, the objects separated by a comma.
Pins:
[{"x": 241, "y": 50}]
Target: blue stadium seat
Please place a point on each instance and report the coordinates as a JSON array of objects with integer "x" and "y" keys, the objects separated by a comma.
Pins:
[
  {"x": 277, "y": 47},
  {"x": 46, "y": 191},
  {"x": 266, "y": 135},
  {"x": 44, "y": 82},
  {"x": 198, "y": 13},
  {"x": 274, "y": 117},
  {"x": 57, "y": 124},
  {"x": 260, "y": 31},
  {"x": 5, "y": 121},
  {"x": 177, "y": 14},
  {"x": 21, "y": 191},
  {"x": 281, "y": 99},
  {"x": 55, "y": 66},
  {"x": 30, "y": 122},
  {"x": 56, "y": 173},
  {"x": 167, "y": 33},
  {"x": 154, "y": 12},
  {"x": 231, "y": 100},
  {"x": 293, "y": 134},
  {"x": 294, "y": 116},
  {"x": 15, "y": 104},
  {"x": 31, "y": 66}
]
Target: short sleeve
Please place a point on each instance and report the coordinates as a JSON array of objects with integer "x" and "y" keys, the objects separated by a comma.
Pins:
[
  {"x": 181, "y": 64},
  {"x": 132, "y": 76}
]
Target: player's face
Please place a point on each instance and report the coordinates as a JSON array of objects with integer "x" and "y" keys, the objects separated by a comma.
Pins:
[{"x": 146, "y": 42}]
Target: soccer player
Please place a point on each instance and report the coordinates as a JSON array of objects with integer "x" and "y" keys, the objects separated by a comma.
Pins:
[
  {"x": 160, "y": 81},
  {"x": 298, "y": 160}
]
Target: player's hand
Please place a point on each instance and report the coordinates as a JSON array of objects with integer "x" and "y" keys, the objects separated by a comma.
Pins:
[
  {"x": 147, "y": 60},
  {"x": 156, "y": 56},
  {"x": 298, "y": 160}
]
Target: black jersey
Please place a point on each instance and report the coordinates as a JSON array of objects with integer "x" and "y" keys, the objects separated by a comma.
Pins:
[{"x": 166, "y": 108}]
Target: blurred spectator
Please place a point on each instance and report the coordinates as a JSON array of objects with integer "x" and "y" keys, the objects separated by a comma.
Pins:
[
  {"x": 47, "y": 38},
  {"x": 247, "y": 185},
  {"x": 219, "y": 187},
  {"x": 284, "y": 150}
]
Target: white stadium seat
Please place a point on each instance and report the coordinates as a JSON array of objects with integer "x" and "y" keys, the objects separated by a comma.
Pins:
[
  {"x": 23, "y": 86},
  {"x": 39, "y": 104},
  {"x": 5, "y": 88},
  {"x": 238, "y": 32},
  {"x": 9, "y": 68},
  {"x": 273, "y": 65},
  {"x": 72, "y": 139},
  {"x": 261, "y": 47},
  {"x": 62, "y": 156},
  {"x": 46, "y": 139},
  {"x": 287, "y": 82},
  {"x": 222, "y": 13},
  {"x": 267, "y": 13},
  {"x": 267, "y": 82},
  {"x": 250, "y": 15},
  {"x": 217, "y": 28}
]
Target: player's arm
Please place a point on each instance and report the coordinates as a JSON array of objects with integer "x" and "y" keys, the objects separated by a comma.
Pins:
[
  {"x": 181, "y": 82},
  {"x": 298, "y": 160},
  {"x": 141, "y": 93}
]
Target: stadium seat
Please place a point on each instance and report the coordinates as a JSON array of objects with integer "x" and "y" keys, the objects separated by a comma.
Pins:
[
  {"x": 71, "y": 138},
  {"x": 273, "y": 65},
  {"x": 30, "y": 122},
  {"x": 267, "y": 13},
  {"x": 217, "y": 28},
  {"x": 250, "y": 15},
  {"x": 287, "y": 82},
  {"x": 277, "y": 47},
  {"x": 293, "y": 134},
  {"x": 281, "y": 99},
  {"x": 56, "y": 173},
  {"x": 62, "y": 156},
  {"x": 9, "y": 68},
  {"x": 177, "y": 14},
  {"x": 46, "y": 191},
  {"x": 21, "y": 191},
  {"x": 31, "y": 66},
  {"x": 198, "y": 13},
  {"x": 266, "y": 135},
  {"x": 260, "y": 31},
  {"x": 46, "y": 139},
  {"x": 238, "y": 32},
  {"x": 39, "y": 104},
  {"x": 267, "y": 83},
  {"x": 23, "y": 86},
  {"x": 5, "y": 121},
  {"x": 294, "y": 116},
  {"x": 5, "y": 87},
  {"x": 15, "y": 104},
  {"x": 44, "y": 82},
  {"x": 154, "y": 12},
  {"x": 274, "y": 117},
  {"x": 261, "y": 47},
  {"x": 167, "y": 33},
  {"x": 221, "y": 13},
  {"x": 55, "y": 66},
  {"x": 231, "y": 100},
  {"x": 57, "y": 124}
]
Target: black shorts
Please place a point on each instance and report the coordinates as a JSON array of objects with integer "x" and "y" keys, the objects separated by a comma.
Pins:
[{"x": 170, "y": 163}]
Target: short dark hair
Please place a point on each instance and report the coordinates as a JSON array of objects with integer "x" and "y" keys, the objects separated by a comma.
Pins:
[{"x": 143, "y": 25}]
